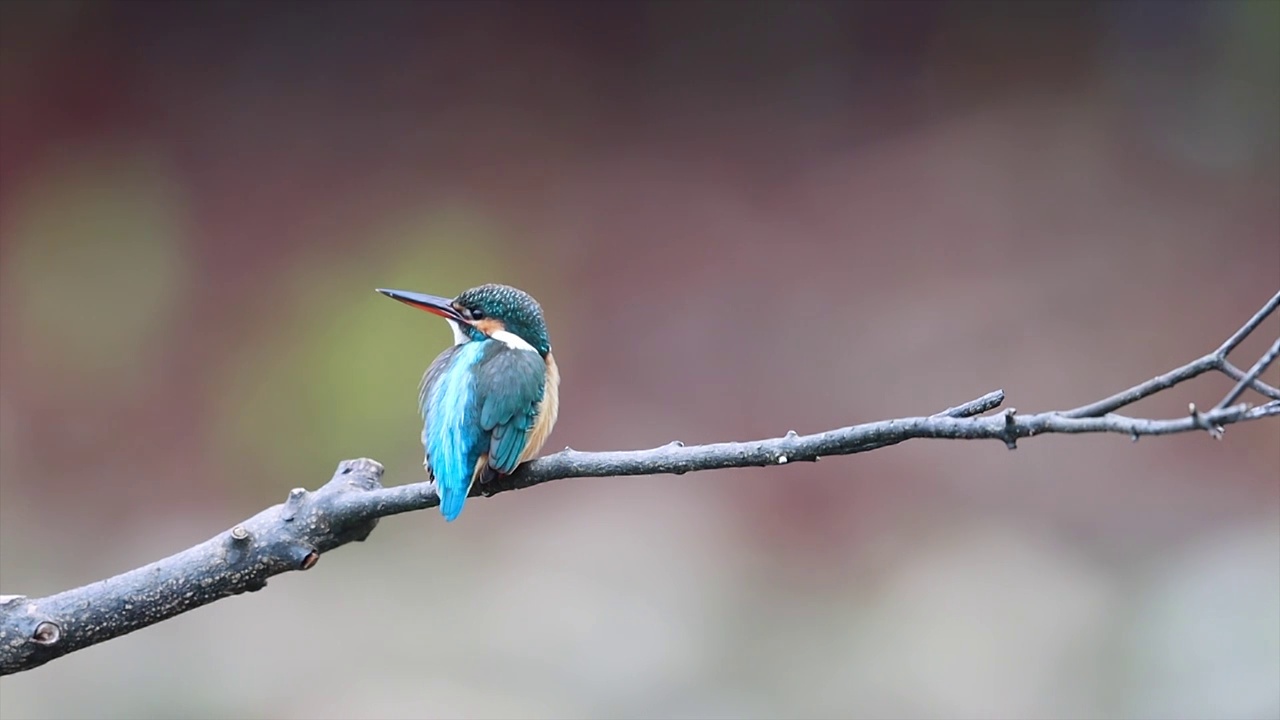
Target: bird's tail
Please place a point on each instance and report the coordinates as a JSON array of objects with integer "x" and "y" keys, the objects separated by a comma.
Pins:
[
  {"x": 453, "y": 495},
  {"x": 451, "y": 501}
]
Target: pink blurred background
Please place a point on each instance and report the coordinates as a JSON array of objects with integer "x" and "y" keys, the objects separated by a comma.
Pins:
[{"x": 741, "y": 218}]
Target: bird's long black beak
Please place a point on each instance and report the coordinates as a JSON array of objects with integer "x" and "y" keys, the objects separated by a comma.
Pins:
[{"x": 435, "y": 304}]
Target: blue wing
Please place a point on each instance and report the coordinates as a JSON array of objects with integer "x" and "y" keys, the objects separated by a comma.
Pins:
[{"x": 510, "y": 386}]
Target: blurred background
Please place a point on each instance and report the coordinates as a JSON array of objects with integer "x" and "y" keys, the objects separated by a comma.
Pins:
[{"x": 741, "y": 218}]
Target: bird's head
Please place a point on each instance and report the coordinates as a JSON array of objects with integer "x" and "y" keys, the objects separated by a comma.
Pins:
[{"x": 493, "y": 311}]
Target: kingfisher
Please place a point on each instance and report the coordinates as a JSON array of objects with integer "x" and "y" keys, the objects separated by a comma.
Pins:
[{"x": 488, "y": 402}]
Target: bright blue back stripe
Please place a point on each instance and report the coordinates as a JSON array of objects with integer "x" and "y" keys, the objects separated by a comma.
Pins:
[{"x": 448, "y": 432}]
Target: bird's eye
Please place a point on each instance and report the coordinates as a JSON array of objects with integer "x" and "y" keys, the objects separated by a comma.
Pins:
[{"x": 477, "y": 314}]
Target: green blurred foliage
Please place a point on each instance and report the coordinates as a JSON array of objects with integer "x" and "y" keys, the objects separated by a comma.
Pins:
[
  {"x": 1258, "y": 24},
  {"x": 1250, "y": 66},
  {"x": 335, "y": 372},
  {"x": 96, "y": 261}
]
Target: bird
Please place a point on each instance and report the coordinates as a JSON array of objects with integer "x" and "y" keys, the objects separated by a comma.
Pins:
[{"x": 488, "y": 402}]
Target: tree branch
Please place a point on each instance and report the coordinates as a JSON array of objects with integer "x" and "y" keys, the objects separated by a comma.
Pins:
[{"x": 294, "y": 534}]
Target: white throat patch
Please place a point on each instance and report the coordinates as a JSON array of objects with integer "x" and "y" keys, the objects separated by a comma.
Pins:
[{"x": 459, "y": 337}]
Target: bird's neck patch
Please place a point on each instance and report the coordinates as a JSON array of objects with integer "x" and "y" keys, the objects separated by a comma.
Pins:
[
  {"x": 511, "y": 340},
  {"x": 492, "y": 329}
]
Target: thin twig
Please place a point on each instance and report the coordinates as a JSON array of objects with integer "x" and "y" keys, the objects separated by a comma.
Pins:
[
  {"x": 1216, "y": 360},
  {"x": 1146, "y": 389},
  {"x": 1257, "y": 369},
  {"x": 296, "y": 533},
  {"x": 1245, "y": 330},
  {"x": 990, "y": 401},
  {"x": 1262, "y": 388}
]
